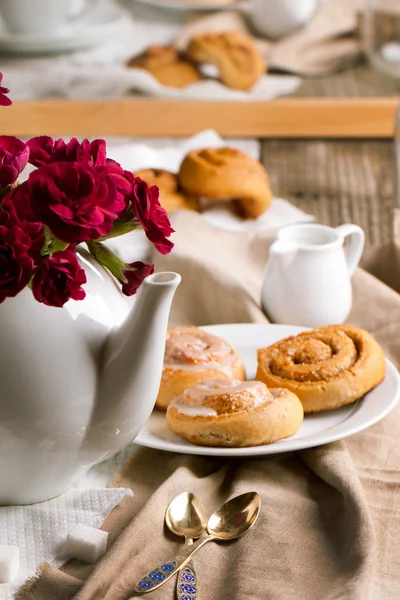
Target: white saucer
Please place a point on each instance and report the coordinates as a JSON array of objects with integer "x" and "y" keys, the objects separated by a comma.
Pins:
[
  {"x": 94, "y": 26},
  {"x": 197, "y": 5},
  {"x": 316, "y": 430}
]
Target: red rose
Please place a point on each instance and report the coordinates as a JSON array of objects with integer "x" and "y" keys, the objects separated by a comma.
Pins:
[
  {"x": 76, "y": 202},
  {"x": 4, "y": 101},
  {"x": 58, "y": 278},
  {"x": 151, "y": 215},
  {"x": 14, "y": 156},
  {"x": 44, "y": 150},
  {"x": 17, "y": 210},
  {"x": 135, "y": 274},
  {"x": 15, "y": 263}
]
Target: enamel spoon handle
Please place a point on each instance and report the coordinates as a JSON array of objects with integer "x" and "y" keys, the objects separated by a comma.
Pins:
[
  {"x": 158, "y": 576},
  {"x": 186, "y": 582}
]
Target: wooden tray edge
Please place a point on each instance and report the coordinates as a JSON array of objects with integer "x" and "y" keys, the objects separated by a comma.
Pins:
[{"x": 150, "y": 117}]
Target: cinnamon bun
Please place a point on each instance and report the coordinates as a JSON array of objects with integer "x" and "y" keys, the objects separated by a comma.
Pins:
[
  {"x": 326, "y": 368},
  {"x": 234, "y": 414},
  {"x": 193, "y": 356}
]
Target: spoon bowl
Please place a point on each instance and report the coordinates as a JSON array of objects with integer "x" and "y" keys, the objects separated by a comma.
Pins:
[
  {"x": 185, "y": 516},
  {"x": 235, "y": 517}
]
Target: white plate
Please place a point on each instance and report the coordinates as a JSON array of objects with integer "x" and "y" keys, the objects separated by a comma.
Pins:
[
  {"x": 316, "y": 429},
  {"x": 194, "y": 5},
  {"x": 95, "y": 26}
]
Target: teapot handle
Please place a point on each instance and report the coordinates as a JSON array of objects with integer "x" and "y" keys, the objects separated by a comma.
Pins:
[{"x": 355, "y": 247}]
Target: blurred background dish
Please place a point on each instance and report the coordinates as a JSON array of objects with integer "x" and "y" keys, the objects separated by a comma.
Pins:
[
  {"x": 276, "y": 19},
  {"x": 36, "y": 17},
  {"x": 198, "y": 4},
  {"x": 101, "y": 20}
]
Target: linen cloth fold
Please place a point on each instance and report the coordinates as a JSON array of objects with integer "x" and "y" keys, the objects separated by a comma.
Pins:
[{"x": 329, "y": 526}]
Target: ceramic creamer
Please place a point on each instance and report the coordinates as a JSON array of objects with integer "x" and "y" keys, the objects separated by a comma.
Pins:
[{"x": 307, "y": 278}]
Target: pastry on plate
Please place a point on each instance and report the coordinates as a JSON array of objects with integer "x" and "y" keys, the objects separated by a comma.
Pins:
[
  {"x": 326, "y": 368},
  {"x": 234, "y": 414},
  {"x": 226, "y": 174},
  {"x": 236, "y": 56},
  {"x": 192, "y": 356},
  {"x": 165, "y": 64},
  {"x": 170, "y": 196}
]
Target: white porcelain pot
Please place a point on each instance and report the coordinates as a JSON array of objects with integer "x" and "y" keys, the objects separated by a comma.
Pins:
[
  {"x": 308, "y": 274},
  {"x": 76, "y": 383}
]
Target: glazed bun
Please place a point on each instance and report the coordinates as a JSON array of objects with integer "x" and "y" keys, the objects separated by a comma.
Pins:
[
  {"x": 192, "y": 356},
  {"x": 234, "y": 414}
]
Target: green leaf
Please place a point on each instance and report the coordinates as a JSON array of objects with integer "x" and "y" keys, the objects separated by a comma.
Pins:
[
  {"x": 51, "y": 243},
  {"x": 122, "y": 226}
]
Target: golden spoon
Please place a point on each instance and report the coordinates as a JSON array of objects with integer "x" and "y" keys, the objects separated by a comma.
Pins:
[
  {"x": 229, "y": 522},
  {"x": 186, "y": 517}
]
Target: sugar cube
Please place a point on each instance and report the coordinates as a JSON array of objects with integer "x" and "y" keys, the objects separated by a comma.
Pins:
[
  {"x": 86, "y": 543},
  {"x": 9, "y": 563}
]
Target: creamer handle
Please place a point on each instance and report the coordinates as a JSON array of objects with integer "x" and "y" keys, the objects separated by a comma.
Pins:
[{"x": 355, "y": 247}]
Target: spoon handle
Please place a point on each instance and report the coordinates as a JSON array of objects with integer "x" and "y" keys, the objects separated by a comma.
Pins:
[
  {"x": 187, "y": 578},
  {"x": 160, "y": 575}
]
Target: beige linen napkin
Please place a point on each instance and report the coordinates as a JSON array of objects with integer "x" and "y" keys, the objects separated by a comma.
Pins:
[
  {"x": 326, "y": 44},
  {"x": 329, "y": 528}
]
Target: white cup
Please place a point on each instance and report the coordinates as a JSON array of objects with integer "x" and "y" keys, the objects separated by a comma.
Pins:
[
  {"x": 34, "y": 16},
  {"x": 277, "y": 18}
]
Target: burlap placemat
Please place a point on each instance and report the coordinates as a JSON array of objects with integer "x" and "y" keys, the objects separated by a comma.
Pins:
[{"x": 330, "y": 521}]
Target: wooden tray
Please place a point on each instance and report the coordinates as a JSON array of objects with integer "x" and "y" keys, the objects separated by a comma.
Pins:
[{"x": 282, "y": 118}]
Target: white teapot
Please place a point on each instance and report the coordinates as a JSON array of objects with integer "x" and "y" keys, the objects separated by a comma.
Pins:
[
  {"x": 76, "y": 383},
  {"x": 307, "y": 278}
]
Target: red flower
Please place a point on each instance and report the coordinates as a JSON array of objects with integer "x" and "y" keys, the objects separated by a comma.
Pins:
[
  {"x": 135, "y": 274},
  {"x": 15, "y": 263},
  {"x": 4, "y": 101},
  {"x": 45, "y": 150},
  {"x": 17, "y": 210},
  {"x": 151, "y": 215},
  {"x": 123, "y": 181},
  {"x": 18, "y": 202},
  {"x": 58, "y": 278},
  {"x": 14, "y": 156},
  {"x": 77, "y": 202}
]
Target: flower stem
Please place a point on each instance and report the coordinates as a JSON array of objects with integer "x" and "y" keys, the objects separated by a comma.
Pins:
[{"x": 108, "y": 259}]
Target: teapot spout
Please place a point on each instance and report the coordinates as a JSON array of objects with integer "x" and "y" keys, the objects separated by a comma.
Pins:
[{"x": 132, "y": 366}]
